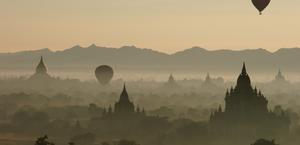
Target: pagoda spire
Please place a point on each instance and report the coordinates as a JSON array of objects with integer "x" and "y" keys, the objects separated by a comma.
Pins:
[
  {"x": 207, "y": 76},
  {"x": 124, "y": 94},
  {"x": 280, "y": 77},
  {"x": 41, "y": 68},
  {"x": 124, "y": 105},
  {"x": 171, "y": 78},
  {"x": 244, "y": 71},
  {"x": 243, "y": 81}
]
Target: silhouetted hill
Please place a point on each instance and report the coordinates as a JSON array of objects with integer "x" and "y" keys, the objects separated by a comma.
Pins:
[{"x": 132, "y": 57}]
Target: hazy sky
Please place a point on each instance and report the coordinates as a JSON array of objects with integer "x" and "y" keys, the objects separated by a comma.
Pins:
[{"x": 164, "y": 25}]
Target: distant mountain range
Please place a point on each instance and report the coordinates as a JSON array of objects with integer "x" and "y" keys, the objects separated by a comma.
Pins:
[{"x": 195, "y": 58}]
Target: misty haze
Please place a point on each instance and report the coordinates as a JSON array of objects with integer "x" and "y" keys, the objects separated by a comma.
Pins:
[
  {"x": 149, "y": 72},
  {"x": 194, "y": 95}
]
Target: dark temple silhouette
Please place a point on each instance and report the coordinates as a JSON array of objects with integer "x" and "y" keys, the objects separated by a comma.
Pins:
[{"x": 246, "y": 110}]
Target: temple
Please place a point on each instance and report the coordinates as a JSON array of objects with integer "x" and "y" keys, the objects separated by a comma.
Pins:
[
  {"x": 171, "y": 83},
  {"x": 41, "y": 68},
  {"x": 247, "y": 107},
  {"x": 208, "y": 82},
  {"x": 279, "y": 78},
  {"x": 207, "y": 79},
  {"x": 243, "y": 99},
  {"x": 124, "y": 107},
  {"x": 41, "y": 71}
]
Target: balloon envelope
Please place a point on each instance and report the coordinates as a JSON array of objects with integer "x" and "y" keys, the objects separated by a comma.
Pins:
[
  {"x": 104, "y": 74},
  {"x": 260, "y": 5}
]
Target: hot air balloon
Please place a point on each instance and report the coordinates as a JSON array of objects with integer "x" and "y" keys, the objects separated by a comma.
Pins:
[
  {"x": 104, "y": 74},
  {"x": 261, "y": 4}
]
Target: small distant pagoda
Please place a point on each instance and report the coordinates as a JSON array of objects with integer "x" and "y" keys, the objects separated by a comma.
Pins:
[
  {"x": 208, "y": 81},
  {"x": 279, "y": 78},
  {"x": 124, "y": 107},
  {"x": 209, "y": 84},
  {"x": 171, "y": 83},
  {"x": 40, "y": 71}
]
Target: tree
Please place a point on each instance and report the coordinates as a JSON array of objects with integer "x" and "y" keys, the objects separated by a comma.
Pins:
[
  {"x": 84, "y": 139},
  {"x": 105, "y": 143},
  {"x": 43, "y": 141},
  {"x": 264, "y": 142},
  {"x": 126, "y": 142},
  {"x": 121, "y": 142}
]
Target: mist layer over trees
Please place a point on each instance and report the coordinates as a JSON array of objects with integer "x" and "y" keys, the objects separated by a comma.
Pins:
[{"x": 168, "y": 112}]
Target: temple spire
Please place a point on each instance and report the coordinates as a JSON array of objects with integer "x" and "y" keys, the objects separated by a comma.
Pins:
[
  {"x": 244, "y": 71},
  {"x": 124, "y": 105},
  {"x": 124, "y": 94},
  {"x": 208, "y": 80},
  {"x": 280, "y": 77},
  {"x": 171, "y": 78},
  {"x": 41, "y": 68},
  {"x": 244, "y": 81},
  {"x": 207, "y": 76}
]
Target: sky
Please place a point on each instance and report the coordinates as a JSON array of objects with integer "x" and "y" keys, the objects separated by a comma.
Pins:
[{"x": 163, "y": 25}]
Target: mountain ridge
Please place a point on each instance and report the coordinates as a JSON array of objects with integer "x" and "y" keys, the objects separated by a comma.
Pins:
[
  {"x": 197, "y": 58},
  {"x": 130, "y": 47}
]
